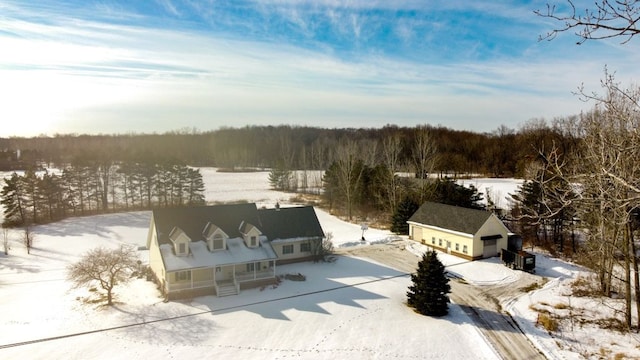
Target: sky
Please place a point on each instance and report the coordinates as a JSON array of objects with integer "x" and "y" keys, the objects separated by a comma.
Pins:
[{"x": 120, "y": 66}]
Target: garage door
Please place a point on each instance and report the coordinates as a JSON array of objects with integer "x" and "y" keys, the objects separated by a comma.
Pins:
[{"x": 489, "y": 248}]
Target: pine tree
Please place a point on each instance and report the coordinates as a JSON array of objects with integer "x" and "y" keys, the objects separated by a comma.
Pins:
[
  {"x": 195, "y": 187},
  {"x": 280, "y": 178},
  {"x": 403, "y": 212},
  {"x": 428, "y": 294},
  {"x": 12, "y": 199}
]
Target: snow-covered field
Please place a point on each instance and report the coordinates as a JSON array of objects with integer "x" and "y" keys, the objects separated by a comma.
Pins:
[
  {"x": 351, "y": 308},
  {"x": 498, "y": 190}
]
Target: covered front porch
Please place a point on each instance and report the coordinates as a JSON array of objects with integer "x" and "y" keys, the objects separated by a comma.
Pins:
[{"x": 222, "y": 279}]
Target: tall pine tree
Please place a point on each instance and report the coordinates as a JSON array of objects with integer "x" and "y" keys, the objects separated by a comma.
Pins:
[
  {"x": 428, "y": 294},
  {"x": 402, "y": 213}
]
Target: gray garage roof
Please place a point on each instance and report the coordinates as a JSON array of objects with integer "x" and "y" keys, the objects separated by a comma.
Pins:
[{"x": 450, "y": 217}]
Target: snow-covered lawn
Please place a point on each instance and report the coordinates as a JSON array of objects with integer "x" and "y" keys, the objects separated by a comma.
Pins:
[{"x": 350, "y": 308}]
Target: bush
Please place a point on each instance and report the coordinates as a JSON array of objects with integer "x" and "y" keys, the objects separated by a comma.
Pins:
[
  {"x": 547, "y": 322},
  {"x": 323, "y": 250}
]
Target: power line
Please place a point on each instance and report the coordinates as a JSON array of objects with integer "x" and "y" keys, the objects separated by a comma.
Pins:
[{"x": 35, "y": 341}]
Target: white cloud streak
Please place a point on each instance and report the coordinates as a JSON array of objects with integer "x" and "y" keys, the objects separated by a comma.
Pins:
[{"x": 88, "y": 76}]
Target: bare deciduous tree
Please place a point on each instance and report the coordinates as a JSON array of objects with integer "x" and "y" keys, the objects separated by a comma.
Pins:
[
  {"x": 106, "y": 267},
  {"x": 609, "y": 166},
  {"x": 607, "y": 169},
  {"x": 424, "y": 156},
  {"x": 391, "y": 149},
  {"x": 5, "y": 240},
  {"x": 349, "y": 171},
  {"x": 28, "y": 238},
  {"x": 606, "y": 19},
  {"x": 612, "y": 170}
]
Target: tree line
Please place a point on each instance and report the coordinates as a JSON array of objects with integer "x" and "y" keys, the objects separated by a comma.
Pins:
[
  {"x": 97, "y": 187},
  {"x": 503, "y": 152}
]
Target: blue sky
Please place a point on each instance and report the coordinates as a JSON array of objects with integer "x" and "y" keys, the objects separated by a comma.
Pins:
[{"x": 109, "y": 66}]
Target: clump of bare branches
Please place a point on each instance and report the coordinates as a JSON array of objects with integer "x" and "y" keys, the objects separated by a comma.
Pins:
[
  {"x": 104, "y": 267},
  {"x": 607, "y": 19}
]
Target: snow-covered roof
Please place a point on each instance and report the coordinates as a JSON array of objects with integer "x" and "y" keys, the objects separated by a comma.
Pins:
[
  {"x": 235, "y": 221},
  {"x": 200, "y": 256}
]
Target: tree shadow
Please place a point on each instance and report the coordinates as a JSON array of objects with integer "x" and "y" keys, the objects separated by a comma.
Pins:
[
  {"x": 101, "y": 225},
  {"x": 164, "y": 325}
]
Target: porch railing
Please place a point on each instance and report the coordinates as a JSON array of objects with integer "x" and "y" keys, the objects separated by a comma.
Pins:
[
  {"x": 248, "y": 276},
  {"x": 190, "y": 285}
]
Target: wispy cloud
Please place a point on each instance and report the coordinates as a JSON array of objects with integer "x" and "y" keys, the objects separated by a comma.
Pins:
[
  {"x": 169, "y": 7},
  {"x": 334, "y": 64}
]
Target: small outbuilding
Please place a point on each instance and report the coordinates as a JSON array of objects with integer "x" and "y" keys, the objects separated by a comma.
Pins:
[{"x": 467, "y": 233}]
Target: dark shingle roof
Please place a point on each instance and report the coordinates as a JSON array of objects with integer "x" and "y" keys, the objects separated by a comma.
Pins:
[
  {"x": 290, "y": 222},
  {"x": 192, "y": 220},
  {"x": 450, "y": 217},
  {"x": 284, "y": 223}
]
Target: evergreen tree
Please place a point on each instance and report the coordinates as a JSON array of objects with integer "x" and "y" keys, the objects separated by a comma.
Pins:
[
  {"x": 280, "y": 178},
  {"x": 447, "y": 191},
  {"x": 12, "y": 199},
  {"x": 195, "y": 187},
  {"x": 428, "y": 294},
  {"x": 402, "y": 213}
]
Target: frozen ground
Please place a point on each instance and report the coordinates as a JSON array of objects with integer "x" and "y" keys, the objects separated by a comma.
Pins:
[
  {"x": 349, "y": 308},
  {"x": 498, "y": 190}
]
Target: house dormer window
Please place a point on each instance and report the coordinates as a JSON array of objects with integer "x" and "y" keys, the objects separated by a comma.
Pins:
[
  {"x": 180, "y": 241},
  {"x": 250, "y": 234},
  {"x": 217, "y": 243},
  {"x": 216, "y": 238}
]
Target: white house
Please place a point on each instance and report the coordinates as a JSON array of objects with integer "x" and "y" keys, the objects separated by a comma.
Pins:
[
  {"x": 221, "y": 249},
  {"x": 467, "y": 233}
]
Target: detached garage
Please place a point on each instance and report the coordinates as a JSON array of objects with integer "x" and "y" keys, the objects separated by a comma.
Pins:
[{"x": 467, "y": 233}]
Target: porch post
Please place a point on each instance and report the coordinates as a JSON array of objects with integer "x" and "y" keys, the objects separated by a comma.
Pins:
[
  {"x": 191, "y": 277},
  {"x": 255, "y": 275}
]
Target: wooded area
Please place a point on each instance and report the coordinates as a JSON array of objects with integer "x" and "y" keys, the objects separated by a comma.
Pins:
[
  {"x": 503, "y": 152},
  {"x": 97, "y": 187}
]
